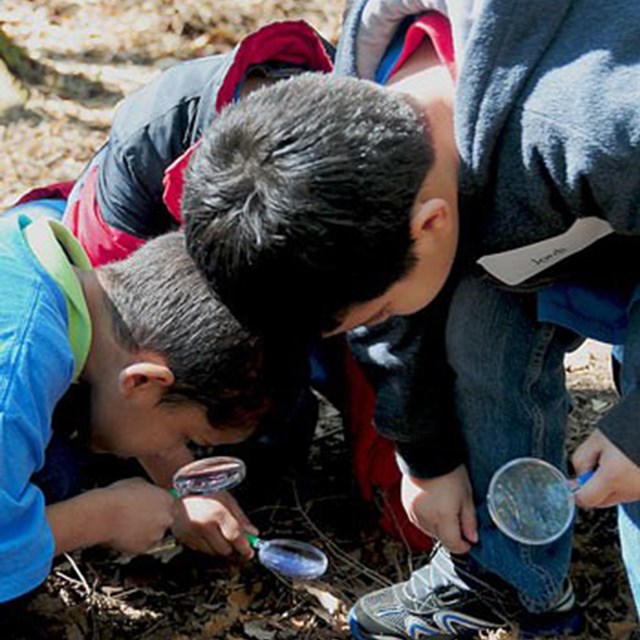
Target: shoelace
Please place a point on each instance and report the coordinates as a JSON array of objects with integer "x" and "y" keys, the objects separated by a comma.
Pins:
[{"x": 492, "y": 597}]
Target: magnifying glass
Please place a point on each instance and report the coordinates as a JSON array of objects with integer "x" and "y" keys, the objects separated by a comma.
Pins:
[
  {"x": 208, "y": 475},
  {"x": 290, "y": 558},
  {"x": 531, "y": 501}
]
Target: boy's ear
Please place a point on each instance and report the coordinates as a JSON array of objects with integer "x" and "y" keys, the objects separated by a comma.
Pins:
[
  {"x": 146, "y": 378},
  {"x": 432, "y": 215}
]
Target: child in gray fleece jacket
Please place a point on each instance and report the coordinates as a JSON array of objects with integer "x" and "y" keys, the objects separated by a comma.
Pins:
[{"x": 482, "y": 209}]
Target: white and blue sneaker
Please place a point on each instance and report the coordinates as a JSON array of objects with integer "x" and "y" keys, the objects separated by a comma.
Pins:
[{"x": 447, "y": 599}]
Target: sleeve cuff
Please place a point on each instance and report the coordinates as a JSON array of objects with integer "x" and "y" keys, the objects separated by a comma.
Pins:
[
  {"x": 620, "y": 425},
  {"x": 430, "y": 459}
]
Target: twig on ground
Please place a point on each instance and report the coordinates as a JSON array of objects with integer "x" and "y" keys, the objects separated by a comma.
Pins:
[
  {"x": 336, "y": 549},
  {"x": 83, "y": 580}
]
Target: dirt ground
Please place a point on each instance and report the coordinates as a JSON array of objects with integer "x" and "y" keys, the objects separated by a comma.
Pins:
[{"x": 96, "y": 51}]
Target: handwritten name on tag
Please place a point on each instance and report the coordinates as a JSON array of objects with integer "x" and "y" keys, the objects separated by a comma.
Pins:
[{"x": 515, "y": 266}]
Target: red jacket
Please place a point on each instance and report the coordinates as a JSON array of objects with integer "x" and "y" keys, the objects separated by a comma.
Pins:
[{"x": 132, "y": 188}]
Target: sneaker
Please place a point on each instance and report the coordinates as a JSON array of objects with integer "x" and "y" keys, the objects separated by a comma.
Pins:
[{"x": 450, "y": 598}]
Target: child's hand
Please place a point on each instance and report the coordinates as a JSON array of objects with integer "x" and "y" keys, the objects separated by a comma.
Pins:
[
  {"x": 137, "y": 516},
  {"x": 213, "y": 524},
  {"x": 617, "y": 478},
  {"x": 443, "y": 507}
]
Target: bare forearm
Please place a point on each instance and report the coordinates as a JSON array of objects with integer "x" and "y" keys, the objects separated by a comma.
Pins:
[
  {"x": 129, "y": 515},
  {"x": 82, "y": 521}
]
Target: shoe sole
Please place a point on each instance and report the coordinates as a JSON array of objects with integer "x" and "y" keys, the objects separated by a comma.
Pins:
[
  {"x": 573, "y": 625},
  {"x": 360, "y": 634}
]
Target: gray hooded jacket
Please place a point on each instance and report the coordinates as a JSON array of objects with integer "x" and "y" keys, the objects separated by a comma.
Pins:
[{"x": 547, "y": 123}]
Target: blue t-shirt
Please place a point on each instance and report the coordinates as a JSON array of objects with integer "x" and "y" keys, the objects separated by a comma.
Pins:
[{"x": 36, "y": 369}]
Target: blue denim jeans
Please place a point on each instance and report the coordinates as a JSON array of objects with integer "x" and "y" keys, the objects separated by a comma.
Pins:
[
  {"x": 629, "y": 530},
  {"x": 512, "y": 401}
]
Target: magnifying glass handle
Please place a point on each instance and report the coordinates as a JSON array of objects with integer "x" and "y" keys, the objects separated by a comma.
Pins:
[
  {"x": 254, "y": 541},
  {"x": 584, "y": 478}
]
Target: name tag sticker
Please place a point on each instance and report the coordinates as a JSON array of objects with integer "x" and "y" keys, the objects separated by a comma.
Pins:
[{"x": 515, "y": 266}]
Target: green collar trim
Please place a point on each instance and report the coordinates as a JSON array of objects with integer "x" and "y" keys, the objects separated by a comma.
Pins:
[{"x": 58, "y": 251}]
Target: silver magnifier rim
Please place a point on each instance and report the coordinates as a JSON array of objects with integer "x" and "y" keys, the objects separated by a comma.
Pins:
[
  {"x": 203, "y": 463},
  {"x": 493, "y": 510},
  {"x": 319, "y": 556}
]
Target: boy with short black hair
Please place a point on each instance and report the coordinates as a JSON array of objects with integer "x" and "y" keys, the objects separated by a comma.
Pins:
[
  {"x": 528, "y": 192},
  {"x": 273, "y": 181},
  {"x": 165, "y": 363}
]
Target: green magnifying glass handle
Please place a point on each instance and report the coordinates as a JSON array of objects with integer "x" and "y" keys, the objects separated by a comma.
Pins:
[{"x": 254, "y": 541}]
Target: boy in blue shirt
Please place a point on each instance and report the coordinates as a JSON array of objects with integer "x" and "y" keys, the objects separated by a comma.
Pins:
[{"x": 133, "y": 332}]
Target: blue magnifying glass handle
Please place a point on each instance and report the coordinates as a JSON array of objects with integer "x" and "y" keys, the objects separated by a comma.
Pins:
[{"x": 583, "y": 479}]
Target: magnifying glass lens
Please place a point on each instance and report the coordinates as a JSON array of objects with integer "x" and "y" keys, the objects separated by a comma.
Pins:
[
  {"x": 531, "y": 501},
  {"x": 293, "y": 558},
  {"x": 209, "y": 475}
]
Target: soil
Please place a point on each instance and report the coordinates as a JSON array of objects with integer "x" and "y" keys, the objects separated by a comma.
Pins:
[{"x": 95, "y": 52}]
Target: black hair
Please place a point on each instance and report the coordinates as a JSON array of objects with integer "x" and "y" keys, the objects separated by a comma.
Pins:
[
  {"x": 158, "y": 300},
  {"x": 298, "y": 202}
]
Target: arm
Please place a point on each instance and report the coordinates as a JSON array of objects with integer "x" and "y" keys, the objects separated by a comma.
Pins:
[
  {"x": 617, "y": 477},
  {"x": 613, "y": 450},
  {"x": 406, "y": 360},
  {"x": 620, "y": 424},
  {"x": 443, "y": 507},
  {"x": 87, "y": 508},
  {"x": 131, "y": 515}
]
